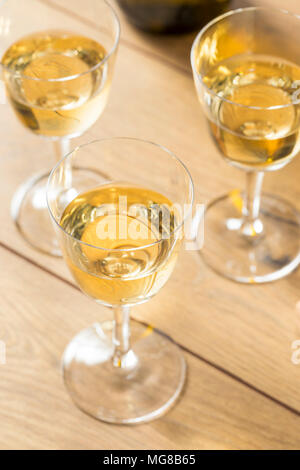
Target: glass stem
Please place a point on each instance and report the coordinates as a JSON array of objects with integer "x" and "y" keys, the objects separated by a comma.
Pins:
[
  {"x": 62, "y": 148},
  {"x": 252, "y": 227},
  {"x": 121, "y": 336}
]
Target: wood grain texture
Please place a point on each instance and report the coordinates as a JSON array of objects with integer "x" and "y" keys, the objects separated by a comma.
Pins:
[
  {"x": 40, "y": 314},
  {"x": 245, "y": 330}
]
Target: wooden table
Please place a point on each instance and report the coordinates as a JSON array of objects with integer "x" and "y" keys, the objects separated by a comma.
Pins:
[{"x": 243, "y": 391}]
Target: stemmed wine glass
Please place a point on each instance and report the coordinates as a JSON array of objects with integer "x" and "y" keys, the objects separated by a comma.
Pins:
[
  {"x": 120, "y": 225},
  {"x": 246, "y": 67},
  {"x": 57, "y": 66}
]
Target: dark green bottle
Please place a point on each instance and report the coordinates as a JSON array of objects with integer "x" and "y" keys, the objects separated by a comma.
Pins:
[{"x": 172, "y": 16}]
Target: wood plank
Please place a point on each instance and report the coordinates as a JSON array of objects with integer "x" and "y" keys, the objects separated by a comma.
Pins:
[
  {"x": 246, "y": 330},
  {"x": 39, "y": 315}
]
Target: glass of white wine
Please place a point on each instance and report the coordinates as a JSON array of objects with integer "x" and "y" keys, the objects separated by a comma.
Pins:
[
  {"x": 246, "y": 67},
  {"x": 120, "y": 226},
  {"x": 57, "y": 66}
]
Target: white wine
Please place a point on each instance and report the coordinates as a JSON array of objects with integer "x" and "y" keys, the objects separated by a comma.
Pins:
[
  {"x": 259, "y": 124},
  {"x": 37, "y": 72},
  {"x": 134, "y": 230}
]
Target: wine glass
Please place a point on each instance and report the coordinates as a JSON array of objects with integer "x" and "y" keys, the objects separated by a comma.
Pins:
[
  {"x": 246, "y": 67},
  {"x": 120, "y": 226},
  {"x": 57, "y": 66}
]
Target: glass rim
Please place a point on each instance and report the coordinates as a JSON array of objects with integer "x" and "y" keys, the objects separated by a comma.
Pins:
[
  {"x": 215, "y": 21},
  {"x": 92, "y": 69},
  {"x": 133, "y": 139}
]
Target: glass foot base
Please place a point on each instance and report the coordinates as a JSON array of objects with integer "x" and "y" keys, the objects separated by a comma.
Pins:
[
  {"x": 272, "y": 257},
  {"x": 149, "y": 384},
  {"x": 30, "y": 214}
]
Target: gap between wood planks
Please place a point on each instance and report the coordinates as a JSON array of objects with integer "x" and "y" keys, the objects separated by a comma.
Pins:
[{"x": 212, "y": 364}]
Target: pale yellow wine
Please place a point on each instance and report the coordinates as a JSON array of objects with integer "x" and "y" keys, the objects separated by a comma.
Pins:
[
  {"x": 117, "y": 217},
  {"x": 265, "y": 138},
  {"x": 37, "y": 75}
]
